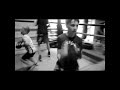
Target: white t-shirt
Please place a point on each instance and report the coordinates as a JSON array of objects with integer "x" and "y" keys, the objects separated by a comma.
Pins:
[{"x": 28, "y": 41}]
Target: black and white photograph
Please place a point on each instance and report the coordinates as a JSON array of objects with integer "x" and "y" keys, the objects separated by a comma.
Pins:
[{"x": 59, "y": 44}]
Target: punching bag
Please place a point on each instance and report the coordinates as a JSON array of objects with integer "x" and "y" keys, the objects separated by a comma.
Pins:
[{"x": 85, "y": 29}]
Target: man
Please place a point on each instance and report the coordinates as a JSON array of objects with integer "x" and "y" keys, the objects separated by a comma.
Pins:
[
  {"x": 59, "y": 28},
  {"x": 69, "y": 47},
  {"x": 42, "y": 34}
]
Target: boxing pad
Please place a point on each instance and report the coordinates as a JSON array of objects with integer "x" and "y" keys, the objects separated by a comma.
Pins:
[{"x": 19, "y": 45}]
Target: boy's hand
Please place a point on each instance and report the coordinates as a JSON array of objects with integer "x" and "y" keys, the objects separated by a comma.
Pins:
[{"x": 19, "y": 45}]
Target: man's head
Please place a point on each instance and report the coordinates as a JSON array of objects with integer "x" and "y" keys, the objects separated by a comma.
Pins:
[
  {"x": 25, "y": 30},
  {"x": 72, "y": 25}
]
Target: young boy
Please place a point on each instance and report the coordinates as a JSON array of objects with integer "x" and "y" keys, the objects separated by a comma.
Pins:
[
  {"x": 69, "y": 48},
  {"x": 28, "y": 44}
]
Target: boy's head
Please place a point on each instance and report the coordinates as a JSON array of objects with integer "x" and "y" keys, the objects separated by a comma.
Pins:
[
  {"x": 69, "y": 21},
  {"x": 25, "y": 30},
  {"x": 72, "y": 25}
]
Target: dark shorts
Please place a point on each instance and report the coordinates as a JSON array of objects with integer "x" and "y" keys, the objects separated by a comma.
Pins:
[
  {"x": 60, "y": 66},
  {"x": 27, "y": 55}
]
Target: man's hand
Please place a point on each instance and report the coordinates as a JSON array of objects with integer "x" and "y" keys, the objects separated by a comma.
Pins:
[{"x": 62, "y": 52}]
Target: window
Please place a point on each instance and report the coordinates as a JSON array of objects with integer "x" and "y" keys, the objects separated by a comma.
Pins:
[
  {"x": 80, "y": 27},
  {"x": 90, "y": 30},
  {"x": 52, "y": 20},
  {"x": 81, "y": 21},
  {"x": 63, "y": 21},
  {"x": 53, "y": 25}
]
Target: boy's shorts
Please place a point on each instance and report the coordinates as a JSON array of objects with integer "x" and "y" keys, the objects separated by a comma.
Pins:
[
  {"x": 27, "y": 55},
  {"x": 58, "y": 63}
]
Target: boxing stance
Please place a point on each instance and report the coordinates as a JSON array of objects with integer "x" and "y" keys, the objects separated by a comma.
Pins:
[
  {"x": 69, "y": 48},
  {"x": 26, "y": 42}
]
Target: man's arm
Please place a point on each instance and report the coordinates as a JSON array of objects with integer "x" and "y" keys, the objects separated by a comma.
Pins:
[
  {"x": 61, "y": 51},
  {"x": 80, "y": 52}
]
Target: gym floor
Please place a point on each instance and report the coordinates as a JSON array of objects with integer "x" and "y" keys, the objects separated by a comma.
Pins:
[{"x": 48, "y": 63}]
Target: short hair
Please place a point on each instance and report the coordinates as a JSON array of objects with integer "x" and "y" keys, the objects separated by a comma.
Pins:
[
  {"x": 26, "y": 29},
  {"x": 69, "y": 20}
]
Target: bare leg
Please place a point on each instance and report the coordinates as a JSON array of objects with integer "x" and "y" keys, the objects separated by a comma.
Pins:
[
  {"x": 24, "y": 61},
  {"x": 39, "y": 57},
  {"x": 39, "y": 49},
  {"x": 39, "y": 53},
  {"x": 48, "y": 46},
  {"x": 32, "y": 60},
  {"x": 47, "y": 43}
]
